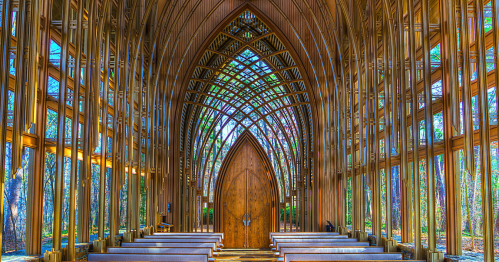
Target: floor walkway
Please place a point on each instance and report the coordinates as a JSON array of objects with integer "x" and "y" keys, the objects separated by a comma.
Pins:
[{"x": 246, "y": 255}]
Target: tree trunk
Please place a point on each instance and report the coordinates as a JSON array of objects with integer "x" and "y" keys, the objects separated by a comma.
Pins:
[
  {"x": 440, "y": 190},
  {"x": 396, "y": 197},
  {"x": 472, "y": 194},
  {"x": 496, "y": 224},
  {"x": 468, "y": 213}
]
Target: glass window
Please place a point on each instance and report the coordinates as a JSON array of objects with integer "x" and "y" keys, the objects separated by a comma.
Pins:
[{"x": 15, "y": 200}]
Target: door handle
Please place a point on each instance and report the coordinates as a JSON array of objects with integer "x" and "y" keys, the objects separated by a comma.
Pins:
[{"x": 246, "y": 220}]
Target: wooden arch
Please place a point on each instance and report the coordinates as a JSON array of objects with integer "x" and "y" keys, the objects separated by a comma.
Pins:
[
  {"x": 185, "y": 113},
  {"x": 246, "y": 137}
]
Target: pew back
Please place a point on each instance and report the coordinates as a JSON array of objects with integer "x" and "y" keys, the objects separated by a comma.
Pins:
[
  {"x": 271, "y": 234},
  {"x": 321, "y": 244},
  {"x": 161, "y": 250},
  {"x": 147, "y": 257},
  {"x": 189, "y": 234},
  {"x": 287, "y": 240},
  {"x": 309, "y": 250},
  {"x": 290, "y": 257},
  {"x": 219, "y": 238},
  {"x": 309, "y": 237},
  {"x": 176, "y": 240},
  {"x": 171, "y": 245}
]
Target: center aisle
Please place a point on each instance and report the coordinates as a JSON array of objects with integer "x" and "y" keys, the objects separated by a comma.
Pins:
[{"x": 264, "y": 254}]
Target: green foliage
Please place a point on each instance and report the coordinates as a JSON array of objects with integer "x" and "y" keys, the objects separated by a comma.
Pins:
[
  {"x": 210, "y": 216},
  {"x": 288, "y": 212}
]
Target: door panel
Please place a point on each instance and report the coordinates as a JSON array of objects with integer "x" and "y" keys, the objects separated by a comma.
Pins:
[
  {"x": 233, "y": 213},
  {"x": 246, "y": 202},
  {"x": 259, "y": 211}
]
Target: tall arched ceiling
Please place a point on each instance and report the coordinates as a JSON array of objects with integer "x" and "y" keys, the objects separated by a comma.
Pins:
[
  {"x": 246, "y": 79},
  {"x": 300, "y": 52}
]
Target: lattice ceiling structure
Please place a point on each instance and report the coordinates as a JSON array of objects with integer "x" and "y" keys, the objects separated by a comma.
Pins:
[{"x": 246, "y": 79}]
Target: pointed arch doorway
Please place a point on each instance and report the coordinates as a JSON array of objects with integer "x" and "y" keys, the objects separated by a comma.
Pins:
[{"x": 246, "y": 196}]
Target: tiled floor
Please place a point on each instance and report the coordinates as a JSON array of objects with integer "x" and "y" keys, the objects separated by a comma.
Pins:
[{"x": 246, "y": 255}]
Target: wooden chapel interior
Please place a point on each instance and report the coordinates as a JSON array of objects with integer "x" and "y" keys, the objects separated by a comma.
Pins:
[{"x": 291, "y": 113}]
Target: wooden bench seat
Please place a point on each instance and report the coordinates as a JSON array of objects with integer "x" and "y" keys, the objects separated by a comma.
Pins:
[
  {"x": 308, "y": 250},
  {"x": 289, "y": 257},
  {"x": 147, "y": 257},
  {"x": 184, "y": 240},
  {"x": 308, "y": 237},
  {"x": 320, "y": 244},
  {"x": 302, "y": 234},
  {"x": 287, "y": 240},
  {"x": 311, "y": 236},
  {"x": 374, "y": 261},
  {"x": 190, "y": 234},
  {"x": 161, "y": 250},
  {"x": 219, "y": 238},
  {"x": 172, "y": 245}
]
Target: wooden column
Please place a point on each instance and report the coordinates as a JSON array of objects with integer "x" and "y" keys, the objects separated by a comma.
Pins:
[
  {"x": 34, "y": 207},
  {"x": 61, "y": 127},
  {"x": 415, "y": 131},
  {"x": 450, "y": 91},
  {"x": 4, "y": 95},
  {"x": 485, "y": 155},
  {"x": 74, "y": 134}
]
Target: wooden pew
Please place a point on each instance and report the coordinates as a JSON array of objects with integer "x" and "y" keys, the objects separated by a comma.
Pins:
[
  {"x": 320, "y": 244},
  {"x": 172, "y": 245},
  {"x": 175, "y": 240},
  {"x": 190, "y": 234},
  {"x": 291, "y": 257},
  {"x": 311, "y": 236},
  {"x": 271, "y": 234},
  {"x": 284, "y": 240},
  {"x": 307, "y": 237},
  {"x": 147, "y": 257},
  {"x": 219, "y": 238},
  {"x": 161, "y": 250},
  {"x": 309, "y": 250}
]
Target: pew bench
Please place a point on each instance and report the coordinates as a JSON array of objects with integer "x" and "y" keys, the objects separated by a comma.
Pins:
[
  {"x": 162, "y": 250},
  {"x": 219, "y": 238},
  {"x": 271, "y": 234},
  {"x": 375, "y": 261},
  {"x": 320, "y": 244},
  {"x": 175, "y": 240},
  {"x": 308, "y": 237},
  {"x": 291, "y": 257},
  {"x": 324, "y": 240},
  {"x": 147, "y": 257},
  {"x": 189, "y": 234},
  {"x": 213, "y": 246},
  {"x": 333, "y": 250}
]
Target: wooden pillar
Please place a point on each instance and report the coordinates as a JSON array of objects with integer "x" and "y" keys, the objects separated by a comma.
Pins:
[
  {"x": 450, "y": 91},
  {"x": 388, "y": 93},
  {"x": 406, "y": 179},
  {"x": 74, "y": 135},
  {"x": 34, "y": 207},
  {"x": 429, "y": 134},
  {"x": 415, "y": 131},
  {"x": 61, "y": 127},
  {"x": 485, "y": 154}
]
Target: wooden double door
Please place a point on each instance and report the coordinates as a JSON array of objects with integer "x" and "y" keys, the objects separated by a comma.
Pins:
[{"x": 246, "y": 201}]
